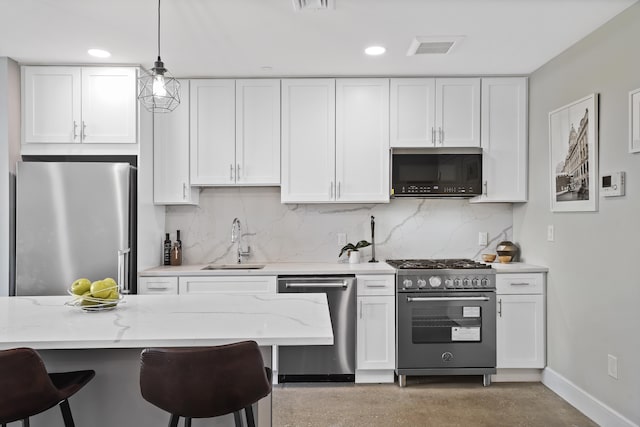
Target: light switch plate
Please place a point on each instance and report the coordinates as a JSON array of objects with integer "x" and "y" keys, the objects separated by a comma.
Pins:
[
  {"x": 483, "y": 238},
  {"x": 551, "y": 233},
  {"x": 342, "y": 239}
]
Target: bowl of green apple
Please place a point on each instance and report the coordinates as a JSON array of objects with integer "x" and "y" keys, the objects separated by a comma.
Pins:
[{"x": 97, "y": 295}]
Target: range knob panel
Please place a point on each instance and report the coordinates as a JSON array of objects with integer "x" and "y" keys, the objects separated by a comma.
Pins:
[
  {"x": 407, "y": 283},
  {"x": 435, "y": 281},
  {"x": 422, "y": 283}
]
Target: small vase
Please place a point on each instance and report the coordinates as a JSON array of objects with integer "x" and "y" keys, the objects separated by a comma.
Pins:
[{"x": 354, "y": 257}]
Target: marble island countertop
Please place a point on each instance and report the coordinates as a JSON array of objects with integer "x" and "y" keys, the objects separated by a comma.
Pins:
[
  {"x": 166, "y": 320},
  {"x": 517, "y": 267},
  {"x": 274, "y": 269}
]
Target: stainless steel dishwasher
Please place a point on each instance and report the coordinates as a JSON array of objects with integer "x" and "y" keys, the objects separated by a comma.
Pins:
[{"x": 321, "y": 362}]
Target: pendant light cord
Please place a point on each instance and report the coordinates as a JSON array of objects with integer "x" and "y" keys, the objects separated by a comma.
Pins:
[{"x": 158, "y": 30}]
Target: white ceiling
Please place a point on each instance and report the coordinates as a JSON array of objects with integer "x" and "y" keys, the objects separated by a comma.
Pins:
[{"x": 239, "y": 37}]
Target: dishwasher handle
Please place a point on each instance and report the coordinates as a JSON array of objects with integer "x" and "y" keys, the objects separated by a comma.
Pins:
[{"x": 293, "y": 285}]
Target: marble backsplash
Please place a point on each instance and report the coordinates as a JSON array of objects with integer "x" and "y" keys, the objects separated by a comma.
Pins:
[{"x": 405, "y": 228}]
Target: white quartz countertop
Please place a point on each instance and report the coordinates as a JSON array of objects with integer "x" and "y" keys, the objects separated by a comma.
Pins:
[
  {"x": 517, "y": 267},
  {"x": 273, "y": 269},
  {"x": 167, "y": 321}
]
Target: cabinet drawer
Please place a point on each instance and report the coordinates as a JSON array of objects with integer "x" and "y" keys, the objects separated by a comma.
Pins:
[
  {"x": 228, "y": 284},
  {"x": 376, "y": 284},
  {"x": 531, "y": 283},
  {"x": 158, "y": 285}
]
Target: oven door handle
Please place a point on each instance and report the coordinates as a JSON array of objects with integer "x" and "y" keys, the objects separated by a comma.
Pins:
[{"x": 420, "y": 299}]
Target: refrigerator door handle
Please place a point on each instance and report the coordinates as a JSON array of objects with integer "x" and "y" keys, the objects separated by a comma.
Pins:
[{"x": 123, "y": 276}]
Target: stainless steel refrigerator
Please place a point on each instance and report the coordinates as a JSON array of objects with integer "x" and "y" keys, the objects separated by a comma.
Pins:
[{"x": 73, "y": 220}]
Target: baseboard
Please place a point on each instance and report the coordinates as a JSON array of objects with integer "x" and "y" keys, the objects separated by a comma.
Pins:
[
  {"x": 593, "y": 408},
  {"x": 517, "y": 375},
  {"x": 380, "y": 376}
]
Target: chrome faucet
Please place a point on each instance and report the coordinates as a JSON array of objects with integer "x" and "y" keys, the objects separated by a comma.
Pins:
[{"x": 236, "y": 237}]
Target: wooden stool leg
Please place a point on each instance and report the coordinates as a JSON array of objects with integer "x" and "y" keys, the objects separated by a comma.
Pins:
[
  {"x": 173, "y": 422},
  {"x": 237, "y": 418},
  {"x": 66, "y": 414},
  {"x": 250, "y": 420},
  {"x": 187, "y": 421}
]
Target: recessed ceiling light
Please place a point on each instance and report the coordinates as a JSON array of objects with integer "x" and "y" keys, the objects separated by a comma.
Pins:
[
  {"x": 99, "y": 53},
  {"x": 375, "y": 50}
]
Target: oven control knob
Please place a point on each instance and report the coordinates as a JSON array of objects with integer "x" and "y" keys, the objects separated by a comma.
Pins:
[
  {"x": 485, "y": 283},
  {"x": 407, "y": 283},
  {"x": 448, "y": 283},
  {"x": 476, "y": 283},
  {"x": 458, "y": 283},
  {"x": 467, "y": 283},
  {"x": 435, "y": 281},
  {"x": 422, "y": 283}
]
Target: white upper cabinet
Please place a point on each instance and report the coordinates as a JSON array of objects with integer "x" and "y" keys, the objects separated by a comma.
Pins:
[
  {"x": 235, "y": 132},
  {"x": 63, "y": 105},
  {"x": 504, "y": 140},
  {"x": 308, "y": 140},
  {"x": 258, "y": 132},
  {"x": 362, "y": 140},
  {"x": 335, "y": 140},
  {"x": 213, "y": 129},
  {"x": 171, "y": 181},
  {"x": 428, "y": 112}
]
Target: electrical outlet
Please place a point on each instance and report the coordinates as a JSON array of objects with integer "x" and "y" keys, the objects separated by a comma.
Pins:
[
  {"x": 612, "y": 366},
  {"x": 342, "y": 239},
  {"x": 483, "y": 238},
  {"x": 551, "y": 233}
]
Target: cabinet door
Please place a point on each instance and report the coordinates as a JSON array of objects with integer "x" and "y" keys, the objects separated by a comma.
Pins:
[
  {"x": 375, "y": 333},
  {"x": 158, "y": 285},
  {"x": 171, "y": 183},
  {"x": 212, "y": 124},
  {"x": 504, "y": 139},
  {"x": 362, "y": 140},
  {"x": 308, "y": 140},
  {"x": 227, "y": 284},
  {"x": 412, "y": 117},
  {"x": 51, "y": 104},
  {"x": 258, "y": 132},
  {"x": 458, "y": 112},
  {"x": 520, "y": 338},
  {"x": 109, "y": 105}
]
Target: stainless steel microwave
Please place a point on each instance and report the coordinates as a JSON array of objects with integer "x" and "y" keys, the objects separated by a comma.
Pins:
[{"x": 436, "y": 172}]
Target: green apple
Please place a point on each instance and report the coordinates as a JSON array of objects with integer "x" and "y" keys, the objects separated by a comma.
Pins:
[
  {"x": 81, "y": 286},
  {"x": 100, "y": 289},
  {"x": 114, "y": 294},
  {"x": 111, "y": 283},
  {"x": 86, "y": 301}
]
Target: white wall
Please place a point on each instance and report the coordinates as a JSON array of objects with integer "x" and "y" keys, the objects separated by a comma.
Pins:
[
  {"x": 594, "y": 280},
  {"x": 9, "y": 153},
  {"x": 405, "y": 228}
]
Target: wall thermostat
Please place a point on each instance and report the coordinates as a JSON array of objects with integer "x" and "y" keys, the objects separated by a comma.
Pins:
[{"x": 612, "y": 184}]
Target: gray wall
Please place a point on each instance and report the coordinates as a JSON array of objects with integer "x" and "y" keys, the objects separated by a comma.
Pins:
[
  {"x": 9, "y": 153},
  {"x": 594, "y": 278}
]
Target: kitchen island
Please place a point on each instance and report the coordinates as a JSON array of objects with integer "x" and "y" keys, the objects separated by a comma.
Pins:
[{"x": 110, "y": 342}]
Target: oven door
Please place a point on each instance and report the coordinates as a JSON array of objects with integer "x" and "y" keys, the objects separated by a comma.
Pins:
[{"x": 446, "y": 330}]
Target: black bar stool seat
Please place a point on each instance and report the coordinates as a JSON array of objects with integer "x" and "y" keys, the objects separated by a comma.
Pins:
[
  {"x": 205, "y": 382},
  {"x": 26, "y": 389}
]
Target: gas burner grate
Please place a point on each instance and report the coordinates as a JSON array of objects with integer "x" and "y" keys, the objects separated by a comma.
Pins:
[{"x": 436, "y": 264}]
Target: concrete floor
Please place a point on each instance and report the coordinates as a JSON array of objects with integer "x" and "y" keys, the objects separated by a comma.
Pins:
[{"x": 426, "y": 401}]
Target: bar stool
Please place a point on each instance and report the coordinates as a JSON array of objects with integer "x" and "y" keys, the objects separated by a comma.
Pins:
[
  {"x": 26, "y": 389},
  {"x": 205, "y": 382}
]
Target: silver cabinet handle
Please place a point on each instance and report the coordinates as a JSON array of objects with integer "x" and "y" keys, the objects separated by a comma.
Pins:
[
  {"x": 331, "y": 190},
  {"x": 520, "y": 284},
  {"x": 184, "y": 191},
  {"x": 338, "y": 190},
  {"x": 361, "y": 309},
  {"x": 376, "y": 286},
  {"x": 123, "y": 277},
  {"x": 484, "y": 184},
  {"x": 420, "y": 299},
  {"x": 231, "y": 172},
  {"x": 84, "y": 130},
  {"x": 158, "y": 286},
  {"x": 433, "y": 135},
  {"x": 500, "y": 307},
  {"x": 75, "y": 129},
  {"x": 441, "y": 135},
  {"x": 238, "y": 172}
]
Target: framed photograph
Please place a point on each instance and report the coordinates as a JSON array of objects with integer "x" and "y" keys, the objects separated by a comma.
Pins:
[
  {"x": 573, "y": 156},
  {"x": 634, "y": 121}
]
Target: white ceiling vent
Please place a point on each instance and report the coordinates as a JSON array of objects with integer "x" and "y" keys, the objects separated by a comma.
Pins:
[
  {"x": 433, "y": 45},
  {"x": 299, "y": 5}
]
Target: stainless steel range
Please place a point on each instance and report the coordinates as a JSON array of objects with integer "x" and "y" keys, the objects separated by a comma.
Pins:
[{"x": 446, "y": 318}]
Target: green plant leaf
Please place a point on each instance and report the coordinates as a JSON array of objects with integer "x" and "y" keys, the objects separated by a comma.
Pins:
[
  {"x": 347, "y": 247},
  {"x": 362, "y": 244}
]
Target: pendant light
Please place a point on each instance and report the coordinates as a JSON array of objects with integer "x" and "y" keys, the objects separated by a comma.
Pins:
[{"x": 159, "y": 90}]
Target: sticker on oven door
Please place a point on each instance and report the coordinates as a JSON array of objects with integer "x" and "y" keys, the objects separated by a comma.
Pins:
[
  {"x": 470, "y": 311},
  {"x": 461, "y": 333}
]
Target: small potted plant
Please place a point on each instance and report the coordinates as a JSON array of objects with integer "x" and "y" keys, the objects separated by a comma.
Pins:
[{"x": 352, "y": 251}]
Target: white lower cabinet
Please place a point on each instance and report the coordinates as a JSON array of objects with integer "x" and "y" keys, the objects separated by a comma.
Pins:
[
  {"x": 520, "y": 321},
  {"x": 375, "y": 331},
  {"x": 227, "y": 284},
  {"x": 158, "y": 285}
]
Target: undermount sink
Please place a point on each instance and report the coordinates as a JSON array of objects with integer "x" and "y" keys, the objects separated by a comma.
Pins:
[{"x": 234, "y": 267}]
